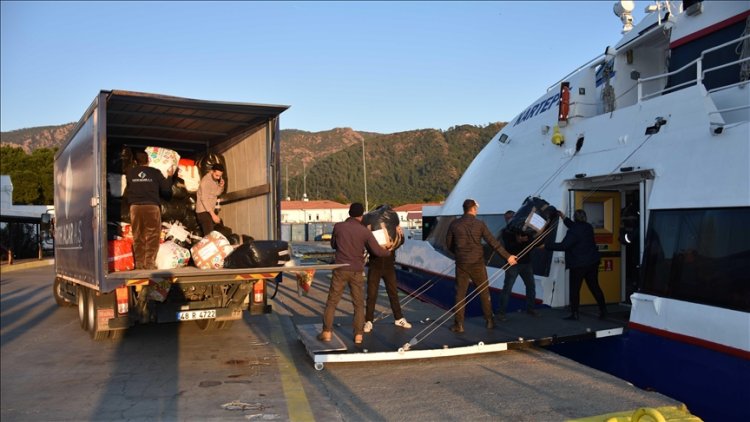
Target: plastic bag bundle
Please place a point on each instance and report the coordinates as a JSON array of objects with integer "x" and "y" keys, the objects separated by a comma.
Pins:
[
  {"x": 304, "y": 281},
  {"x": 164, "y": 159},
  {"x": 245, "y": 256},
  {"x": 189, "y": 173},
  {"x": 272, "y": 253},
  {"x": 120, "y": 255},
  {"x": 179, "y": 190},
  {"x": 171, "y": 255},
  {"x": 384, "y": 221},
  {"x": 205, "y": 161},
  {"x": 259, "y": 253},
  {"x": 122, "y": 162},
  {"x": 116, "y": 184},
  {"x": 533, "y": 215},
  {"x": 210, "y": 252},
  {"x": 175, "y": 210}
]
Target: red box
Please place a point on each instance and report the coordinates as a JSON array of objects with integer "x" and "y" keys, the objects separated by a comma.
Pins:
[{"x": 120, "y": 255}]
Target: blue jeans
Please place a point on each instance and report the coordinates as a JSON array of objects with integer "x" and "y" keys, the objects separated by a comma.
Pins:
[{"x": 527, "y": 275}]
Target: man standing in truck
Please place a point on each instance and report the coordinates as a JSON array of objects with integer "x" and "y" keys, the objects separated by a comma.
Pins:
[
  {"x": 212, "y": 185},
  {"x": 144, "y": 187}
]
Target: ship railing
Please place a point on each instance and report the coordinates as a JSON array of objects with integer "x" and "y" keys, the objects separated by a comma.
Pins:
[{"x": 700, "y": 74}]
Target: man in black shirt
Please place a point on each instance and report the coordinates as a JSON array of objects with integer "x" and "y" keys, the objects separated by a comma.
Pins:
[
  {"x": 144, "y": 187},
  {"x": 516, "y": 243}
]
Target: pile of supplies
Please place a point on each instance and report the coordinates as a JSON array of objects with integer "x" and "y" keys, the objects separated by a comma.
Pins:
[{"x": 182, "y": 241}]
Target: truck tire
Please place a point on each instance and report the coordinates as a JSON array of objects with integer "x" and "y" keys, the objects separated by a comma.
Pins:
[
  {"x": 206, "y": 324},
  {"x": 81, "y": 294},
  {"x": 57, "y": 293},
  {"x": 224, "y": 325},
  {"x": 93, "y": 321}
]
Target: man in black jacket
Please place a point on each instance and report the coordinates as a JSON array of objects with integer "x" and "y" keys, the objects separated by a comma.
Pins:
[
  {"x": 464, "y": 239},
  {"x": 144, "y": 187},
  {"x": 582, "y": 259},
  {"x": 516, "y": 242}
]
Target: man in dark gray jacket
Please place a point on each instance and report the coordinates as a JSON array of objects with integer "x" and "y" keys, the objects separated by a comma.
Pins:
[
  {"x": 464, "y": 239},
  {"x": 351, "y": 240}
]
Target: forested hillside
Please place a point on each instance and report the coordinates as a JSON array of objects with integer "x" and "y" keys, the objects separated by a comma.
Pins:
[{"x": 406, "y": 167}]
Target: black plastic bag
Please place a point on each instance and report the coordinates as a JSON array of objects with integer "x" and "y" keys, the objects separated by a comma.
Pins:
[
  {"x": 244, "y": 256},
  {"x": 384, "y": 217},
  {"x": 259, "y": 253},
  {"x": 532, "y": 217}
]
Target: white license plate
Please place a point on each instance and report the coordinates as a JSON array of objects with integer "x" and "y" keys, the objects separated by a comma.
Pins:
[{"x": 192, "y": 315}]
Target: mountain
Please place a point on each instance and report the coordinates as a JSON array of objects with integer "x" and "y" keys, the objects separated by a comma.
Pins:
[
  {"x": 33, "y": 138},
  {"x": 405, "y": 167}
]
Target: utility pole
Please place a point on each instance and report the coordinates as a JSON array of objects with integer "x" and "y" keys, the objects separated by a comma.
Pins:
[
  {"x": 304, "y": 182},
  {"x": 286, "y": 194},
  {"x": 364, "y": 173}
]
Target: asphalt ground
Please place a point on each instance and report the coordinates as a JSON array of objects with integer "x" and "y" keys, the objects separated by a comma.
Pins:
[{"x": 259, "y": 370}]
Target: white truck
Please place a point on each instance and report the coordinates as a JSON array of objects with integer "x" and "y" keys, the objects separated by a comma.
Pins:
[{"x": 248, "y": 138}]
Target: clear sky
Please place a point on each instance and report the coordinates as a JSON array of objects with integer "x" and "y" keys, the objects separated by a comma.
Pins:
[{"x": 373, "y": 66}]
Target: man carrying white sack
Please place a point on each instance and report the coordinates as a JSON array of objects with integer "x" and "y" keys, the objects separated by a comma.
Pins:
[{"x": 212, "y": 185}]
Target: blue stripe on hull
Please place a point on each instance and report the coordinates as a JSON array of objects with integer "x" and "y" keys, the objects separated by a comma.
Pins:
[
  {"x": 713, "y": 385},
  {"x": 443, "y": 292}
]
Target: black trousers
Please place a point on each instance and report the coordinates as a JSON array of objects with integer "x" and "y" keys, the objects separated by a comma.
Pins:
[
  {"x": 591, "y": 275},
  {"x": 385, "y": 270},
  {"x": 206, "y": 222},
  {"x": 478, "y": 275}
]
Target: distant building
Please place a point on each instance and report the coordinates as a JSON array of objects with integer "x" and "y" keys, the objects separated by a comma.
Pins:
[
  {"x": 18, "y": 213},
  {"x": 20, "y": 232},
  {"x": 410, "y": 215},
  {"x": 297, "y": 212}
]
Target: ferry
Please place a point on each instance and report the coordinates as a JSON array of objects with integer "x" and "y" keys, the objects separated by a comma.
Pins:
[{"x": 652, "y": 139}]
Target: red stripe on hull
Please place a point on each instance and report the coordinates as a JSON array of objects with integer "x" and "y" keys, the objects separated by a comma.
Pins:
[{"x": 744, "y": 354}]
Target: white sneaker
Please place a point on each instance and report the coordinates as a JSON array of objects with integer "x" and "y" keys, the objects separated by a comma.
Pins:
[
  {"x": 401, "y": 323},
  {"x": 368, "y": 326}
]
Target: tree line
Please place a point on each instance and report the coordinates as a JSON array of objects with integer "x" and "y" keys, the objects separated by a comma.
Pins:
[{"x": 32, "y": 174}]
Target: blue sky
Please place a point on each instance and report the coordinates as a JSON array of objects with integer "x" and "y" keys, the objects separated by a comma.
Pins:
[{"x": 373, "y": 66}]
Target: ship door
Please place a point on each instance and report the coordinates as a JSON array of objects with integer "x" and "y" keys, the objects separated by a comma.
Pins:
[{"x": 603, "y": 212}]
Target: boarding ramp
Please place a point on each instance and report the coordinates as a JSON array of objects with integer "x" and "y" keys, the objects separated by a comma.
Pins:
[{"x": 388, "y": 342}]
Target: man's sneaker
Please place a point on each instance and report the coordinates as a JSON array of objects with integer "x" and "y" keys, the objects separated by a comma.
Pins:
[
  {"x": 532, "y": 312},
  {"x": 368, "y": 326},
  {"x": 400, "y": 322}
]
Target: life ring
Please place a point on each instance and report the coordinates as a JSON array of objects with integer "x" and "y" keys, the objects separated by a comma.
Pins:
[{"x": 562, "y": 116}]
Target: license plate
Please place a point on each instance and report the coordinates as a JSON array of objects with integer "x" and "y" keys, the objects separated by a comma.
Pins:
[{"x": 192, "y": 315}]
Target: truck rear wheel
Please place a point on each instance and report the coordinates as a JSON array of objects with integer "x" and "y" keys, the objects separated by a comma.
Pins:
[
  {"x": 206, "y": 324},
  {"x": 224, "y": 325},
  {"x": 81, "y": 294},
  {"x": 57, "y": 293},
  {"x": 93, "y": 320}
]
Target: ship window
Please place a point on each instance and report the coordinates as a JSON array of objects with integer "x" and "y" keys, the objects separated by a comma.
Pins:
[{"x": 700, "y": 256}]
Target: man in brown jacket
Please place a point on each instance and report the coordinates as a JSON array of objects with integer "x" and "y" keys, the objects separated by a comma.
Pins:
[
  {"x": 464, "y": 239},
  {"x": 351, "y": 240}
]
